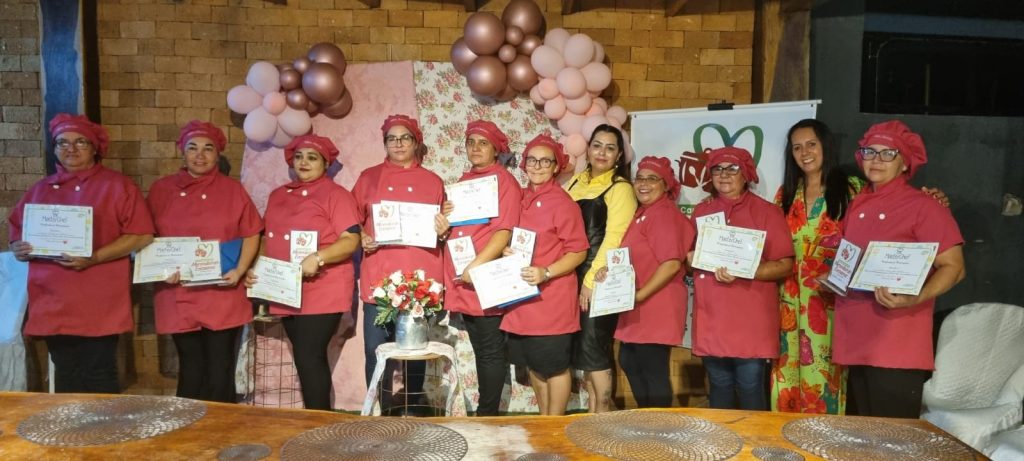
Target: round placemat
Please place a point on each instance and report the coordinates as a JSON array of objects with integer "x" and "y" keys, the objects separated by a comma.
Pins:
[
  {"x": 542, "y": 457},
  {"x": 377, "y": 439},
  {"x": 776, "y": 454},
  {"x": 869, "y": 439},
  {"x": 245, "y": 452},
  {"x": 653, "y": 435},
  {"x": 101, "y": 422}
]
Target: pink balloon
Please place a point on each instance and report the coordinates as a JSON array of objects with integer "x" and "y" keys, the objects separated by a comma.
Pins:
[
  {"x": 556, "y": 38},
  {"x": 590, "y": 123},
  {"x": 570, "y": 123},
  {"x": 274, "y": 103},
  {"x": 259, "y": 125},
  {"x": 264, "y": 77},
  {"x": 535, "y": 96},
  {"x": 579, "y": 105},
  {"x": 294, "y": 122},
  {"x": 514, "y": 35},
  {"x": 507, "y": 53},
  {"x": 280, "y": 138},
  {"x": 601, "y": 102},
  {"x": 571, "y": 83},
  {"x": 629, "y": 147},
  {"x": 579, "y": 50},
  {"x": 462, "y": 56},
  {"x": 484, "y": 33},
  {"x": 548, "y": 88},
  {"x": 547, "y": 61},
  {"x": 554, "y": 109},
  {"x": 615, "y": 123},
  {"x": 598, "y": 76},
  {"x": 598, "y": 52},
  {"x": 595, "y": 109},
  {"x": 617, "y": 113},
  {"x": 243, "y": 99},
  {"x": 575, "y": 144}
]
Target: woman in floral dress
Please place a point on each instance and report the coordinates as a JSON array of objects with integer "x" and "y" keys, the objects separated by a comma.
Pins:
[{"x": 815, "y": 195}]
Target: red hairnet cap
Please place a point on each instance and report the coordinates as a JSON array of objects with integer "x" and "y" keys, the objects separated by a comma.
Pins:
[
  {"x": 94, "y": 132},
  {"x": 490, "y": 131},
  {"x": 547, "y": 141},
  {"x": 662, "y": 167},
  {"x": 735, "y": 156},
  {"x": 402, "y": 120},
  {"x": 896, "y": 135},
  {"x": 197, "y": 128},
  {"x": 320, "y": 144}
]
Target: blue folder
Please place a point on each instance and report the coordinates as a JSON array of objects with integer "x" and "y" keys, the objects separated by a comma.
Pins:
[
  {"x": 470, "y": 222},
  {"x": 230, "y": 253}
]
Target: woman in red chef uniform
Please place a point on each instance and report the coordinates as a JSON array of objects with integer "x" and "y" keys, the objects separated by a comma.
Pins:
[
  {"x": 541, "y": 329},
  {"x": 204, "y": 321},
  {"x": 886, "y": 338},
  {"x": 79, "y": 305},
  {"x": 313, "y": 202},
  {"x": 484, "y": 141},
  {"x": 658, "y": 238},
  {"x": 736, "y": 320},
  {"x": 399, "y": 178}
]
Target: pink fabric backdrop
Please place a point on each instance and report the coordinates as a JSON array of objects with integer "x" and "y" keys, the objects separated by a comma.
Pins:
[{"x": 378, "y": 90}]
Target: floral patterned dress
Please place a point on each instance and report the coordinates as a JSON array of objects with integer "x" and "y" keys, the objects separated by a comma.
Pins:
[{"x": 804, "y": 379}]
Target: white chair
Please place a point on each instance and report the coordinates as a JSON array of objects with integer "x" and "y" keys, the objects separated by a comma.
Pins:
[
  {"x": 978, "y": 384},
  {"x": 13, "y": 302}
]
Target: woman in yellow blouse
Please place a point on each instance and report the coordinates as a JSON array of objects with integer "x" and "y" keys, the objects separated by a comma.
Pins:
[{"x": 606, "y": 199}]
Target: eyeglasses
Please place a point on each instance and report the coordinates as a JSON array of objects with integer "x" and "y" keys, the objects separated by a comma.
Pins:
[
  {"x": 543, "y": 162},
  {"x": 647, "y": 179},
  {"x": 404, "y": 139},
  {"x": 80, "y": 143},
  {"x": 885, "y": 155},
  {"x": 726, "y": 171}
]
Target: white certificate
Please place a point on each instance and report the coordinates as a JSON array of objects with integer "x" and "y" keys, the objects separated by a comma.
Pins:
[
  {"x": 418, "y": 224},
  {"x": 522, "y": 243},
  {"x": 164, "y": 257},
  {"x": 462, "y": 252},
  {"x": 278, "y": 281},
  {"x": 474, "y": 201},
  {"x": 900, "y": 267},
  {"x": 500, "y": 282},
  {"x": 734, "y": 248},
  {"x": 387, "y": 224},
  {"x": 717, "y": 219},
  {"x": 53, "y": 230},
  {"x": 205, "y": 267},
  {"x": 617, "y": 293},
  {"x": 843, "y": 267},
  {"x": 301, "y": 244}
]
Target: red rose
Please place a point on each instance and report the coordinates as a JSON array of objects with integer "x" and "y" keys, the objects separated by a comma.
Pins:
[
  {"x": 420, "y": 292},
  {"x": 402, "y": 289}
]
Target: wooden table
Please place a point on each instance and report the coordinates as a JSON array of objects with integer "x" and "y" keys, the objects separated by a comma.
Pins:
[{"x": 225, "y": 425}]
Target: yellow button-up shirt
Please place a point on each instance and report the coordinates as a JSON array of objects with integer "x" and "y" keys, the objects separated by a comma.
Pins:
[{"x": 621, "y": 202}]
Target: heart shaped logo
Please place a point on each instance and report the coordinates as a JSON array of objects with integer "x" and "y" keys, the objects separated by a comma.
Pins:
[{"x": 693, "y": 171}]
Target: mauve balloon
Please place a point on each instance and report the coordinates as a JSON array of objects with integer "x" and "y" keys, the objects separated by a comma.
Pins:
[
  {"x": 290, "y": 79},
  {"x": 322, "y": 83},
  {"x": 521, "y": 75},
  {"x": 484, "y": 33},
  {"x": 507, "y": 94},
  {"x": 529, "y": 43},
  {"x": 507, "y": 53},
  {"x": 328, "y": 53},
  {"x": 340, "y": 108},
  {"x": 301, "y": 64},
  {"x": 487, "y": 76},
  {"x": 514, "y": 35},
  {"x": 462, "y": 56},
  {"x": 524, "y": 14},
  {"x": 297, "y": 99}
]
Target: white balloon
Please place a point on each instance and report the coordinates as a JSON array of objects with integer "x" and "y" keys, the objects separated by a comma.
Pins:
[
  {"x": 243, "y": 99},
  {"x": 264, "y": 77},
  {"x": 295, "y": 122}
]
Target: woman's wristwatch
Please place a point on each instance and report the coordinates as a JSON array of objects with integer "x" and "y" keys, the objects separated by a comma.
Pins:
[{"x": 319, "y": 260}]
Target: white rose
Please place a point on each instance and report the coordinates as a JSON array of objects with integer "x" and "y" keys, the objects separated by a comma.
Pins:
[
  {"x": 420, "y": 274},
  {"x": 379, "y": 292},
  {"x": 396, "y": 277},
  {"x": 435, "y": 288},
  {"x": 397, "y": 301}
]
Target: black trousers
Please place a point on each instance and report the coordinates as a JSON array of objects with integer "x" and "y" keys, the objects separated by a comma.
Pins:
[
  {"x": 206, "y": 364},
  {"x": 310, "y": 335},
  {"x": 491, "y": 360},
  {"x": 887, "y": 392},
  {"x": 646, "y": 368},
  {"x": 84, "y": 364}
]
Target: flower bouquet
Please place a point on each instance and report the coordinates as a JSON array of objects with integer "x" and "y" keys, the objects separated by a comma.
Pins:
[{"x": 412, "y": 293}]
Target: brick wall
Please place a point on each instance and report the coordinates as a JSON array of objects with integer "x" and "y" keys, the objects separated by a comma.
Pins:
[{"x": 165, "y": 62}]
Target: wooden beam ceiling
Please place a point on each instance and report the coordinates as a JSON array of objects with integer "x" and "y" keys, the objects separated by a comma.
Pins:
[{"x": 673, "y": 7}]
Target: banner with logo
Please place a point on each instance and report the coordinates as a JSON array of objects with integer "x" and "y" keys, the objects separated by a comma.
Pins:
[{"x": 685, "y": 137}]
